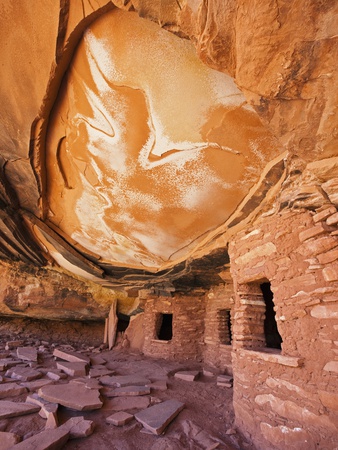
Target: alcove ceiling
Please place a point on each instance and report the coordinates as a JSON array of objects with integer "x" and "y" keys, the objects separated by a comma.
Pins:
[{"x": 133, "y": 144}]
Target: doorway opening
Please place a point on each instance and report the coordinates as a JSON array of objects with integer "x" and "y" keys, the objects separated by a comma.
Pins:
[
  {"x": 164, "y": 327},
  {"x": 122, "y": 322}
]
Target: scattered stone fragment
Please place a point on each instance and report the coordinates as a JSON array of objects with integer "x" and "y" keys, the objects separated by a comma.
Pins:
[
  {"x": 13, "y": 344},
  {"x": 78, "y": 427},
  {"x": 73, "y": 369},
  {"x": 126, "y": 403},
  {"x": 200, "y": 437},
  {"x": 155, "y": 400},
  {"x": 188, "y": 375},
  {"x": 7, "y": 440},
  {"x": 72, "y": 395},
  {"x": 48, "y": 439},
  {"x": 7, "y": 363},
  {"x": 27, "y": 353},
  {"x": 71, "y": 356},
  {"x": 13, "y": 409},
  {"x": 208, "y": 372},
  {"x": 56, "y": 374},
  {"x": 157, "y": 417},
  {"x": 51, "y": 422},
  {"x": 11, "y": 390},
  {"x": 128, "y": 391},
  {"x": 23, "y": 373},
  {"x": 48, "y": 409},
  {"x": 224, "y": 380},
  {"x": 120, "y": 418},
  {"x": 96, "y": 372},
  {"x": 35, "y": 385},
  {"x": 159, "y": 385},
  {"x": 124, "y": 380}
]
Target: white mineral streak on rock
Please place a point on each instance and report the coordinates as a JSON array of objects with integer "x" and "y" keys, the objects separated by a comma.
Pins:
[{"x": 150, "y": 134}]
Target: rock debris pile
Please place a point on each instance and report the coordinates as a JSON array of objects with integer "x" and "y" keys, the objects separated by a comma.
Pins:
[{"x": 52, "y": 396}]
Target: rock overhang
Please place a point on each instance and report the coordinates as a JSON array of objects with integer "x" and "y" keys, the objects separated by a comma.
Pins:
[
  {"x": 146, "y": 155},
  {"x": 281, "y": 95}
]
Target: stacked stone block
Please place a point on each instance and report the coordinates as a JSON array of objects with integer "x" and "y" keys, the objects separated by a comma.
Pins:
[
  {"x": 188, "y": 326},
  {"x": 288, "y": 398},
  {"x": 217, "y": 353}
]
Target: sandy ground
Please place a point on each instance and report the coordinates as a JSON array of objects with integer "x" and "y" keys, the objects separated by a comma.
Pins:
[{"x": 205, "y": 423}]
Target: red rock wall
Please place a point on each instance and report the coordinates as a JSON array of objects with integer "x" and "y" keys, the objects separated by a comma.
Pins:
[
  {"x": 188, "y": 327},
  {"x": 288, "y": 398},
  {"x": 39, "y": 293},
  {"x": 217, "y": 343}
]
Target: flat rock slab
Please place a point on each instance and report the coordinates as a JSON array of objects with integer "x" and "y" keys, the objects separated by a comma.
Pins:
[
  {"x": 124, "y": 380},
  {"x": 71, "y": 356},
  {"x": 23, "y": 373},
  {"x": 187, "y": 375},
  {"x": 96, "y": 372},
  {"x": 48, "y": 439},
  {"x": 225, "y": 381},
  {"x": 34, "y": 399},
  {"x": 90, "y": 383},
  {"x": 14, "y": 409},
  {"x": 27, "y": 353},
  {"x": 78, "y": 427},
  {"x": 7, "y": 363},
  {"x": 126, "y": 403},
  {"x": 73, "y": 369},
  {"x": 157, "y": 417},
  {"x": 127, "y": 391},
  {"x": 158, "y": 385},
  {"x": 35, "y": 385},
  {"x": 72, "y": 395},
  {"x": 56, "y": 374},
  {"x": 7, "y": 440},
  {"x": 120, "y": 418},
  {"x": 11, "y": 390}
]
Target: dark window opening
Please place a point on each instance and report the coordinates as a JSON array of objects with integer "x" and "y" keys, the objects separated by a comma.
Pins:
[
  {"x": 272, "y": 337},
  {"x": 165, "y": 327},
  {"x": 123, "y": 322},
  {"x": 224, "y": 326}
]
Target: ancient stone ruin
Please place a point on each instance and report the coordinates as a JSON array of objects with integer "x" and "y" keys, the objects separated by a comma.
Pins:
[{"x": 169, "y": 224}]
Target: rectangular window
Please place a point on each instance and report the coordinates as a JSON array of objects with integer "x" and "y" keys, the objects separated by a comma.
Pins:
[{"x": 256, "y": 327}]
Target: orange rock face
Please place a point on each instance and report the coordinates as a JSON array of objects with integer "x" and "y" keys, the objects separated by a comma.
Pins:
[
  {"x": 131, "y": 143},
  {"x": 147, "y": 149}
]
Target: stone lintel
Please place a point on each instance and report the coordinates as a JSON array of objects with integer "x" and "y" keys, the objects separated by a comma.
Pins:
[{"x": 272, "y": 357}]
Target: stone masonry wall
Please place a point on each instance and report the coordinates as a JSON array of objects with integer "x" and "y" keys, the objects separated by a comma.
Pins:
[
  {"x": 188, "y": 327},
  {"x": 288, "y": 398},
  {"x": 217, "y": 339}
]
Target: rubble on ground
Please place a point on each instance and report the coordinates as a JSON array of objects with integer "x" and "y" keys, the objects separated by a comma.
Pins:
[{"x": 55, "y": 384}]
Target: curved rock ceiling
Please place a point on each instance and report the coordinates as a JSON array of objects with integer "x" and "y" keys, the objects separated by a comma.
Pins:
[
  {"x": 147, "y": 149},
  {"x": 125, "y": 158}
]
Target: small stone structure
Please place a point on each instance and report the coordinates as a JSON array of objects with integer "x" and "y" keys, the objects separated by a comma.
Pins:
[
  {"x": 287, "y": 397},
  {"x": 188, "y": 314},
  {"x": 275, "y": 329},
  {"x": 218, "y": 327}
]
